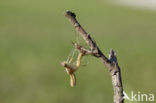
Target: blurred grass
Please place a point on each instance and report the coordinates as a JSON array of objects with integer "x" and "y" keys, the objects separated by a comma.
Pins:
[{"x": 35, "y": 37}]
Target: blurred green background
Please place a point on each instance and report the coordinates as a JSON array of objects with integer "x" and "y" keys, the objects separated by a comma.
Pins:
[{"x": 35, "y": 37}]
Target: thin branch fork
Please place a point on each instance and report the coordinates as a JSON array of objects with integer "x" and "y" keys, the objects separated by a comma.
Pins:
[{"x": 111, "y": 62}]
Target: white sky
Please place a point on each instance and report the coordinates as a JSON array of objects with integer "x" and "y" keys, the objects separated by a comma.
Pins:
[{"x": 144, "y": 4}]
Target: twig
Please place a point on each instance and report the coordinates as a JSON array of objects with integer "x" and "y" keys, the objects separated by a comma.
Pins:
[{"x": 111, "y": 62}]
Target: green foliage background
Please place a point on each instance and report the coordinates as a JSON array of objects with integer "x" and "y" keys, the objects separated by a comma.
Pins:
[{"x": 35, "y": 37}]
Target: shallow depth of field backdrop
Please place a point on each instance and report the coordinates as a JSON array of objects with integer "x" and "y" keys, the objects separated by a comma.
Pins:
[{"x": 35, "y": 37}]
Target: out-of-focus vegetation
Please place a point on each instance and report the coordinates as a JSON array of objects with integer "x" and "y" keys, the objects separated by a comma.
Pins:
[{"x": 35, "y": 37}]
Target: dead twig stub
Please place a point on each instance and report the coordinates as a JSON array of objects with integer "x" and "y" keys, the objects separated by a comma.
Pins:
[{"x": 111, "y": 62}]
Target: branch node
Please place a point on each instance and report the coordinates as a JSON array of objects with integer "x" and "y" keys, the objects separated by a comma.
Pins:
[{"x": 83, "y": 50}]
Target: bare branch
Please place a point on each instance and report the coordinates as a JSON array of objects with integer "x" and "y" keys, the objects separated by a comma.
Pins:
[{"x": 110, "y": 63}]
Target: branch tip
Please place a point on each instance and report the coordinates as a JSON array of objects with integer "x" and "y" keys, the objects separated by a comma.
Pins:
[
  {"x": 112, "y": 56},
  {"x": 69, "y": 14}
]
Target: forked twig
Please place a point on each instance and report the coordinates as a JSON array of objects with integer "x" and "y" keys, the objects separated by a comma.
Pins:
[{"x": 111, "y": 62}]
